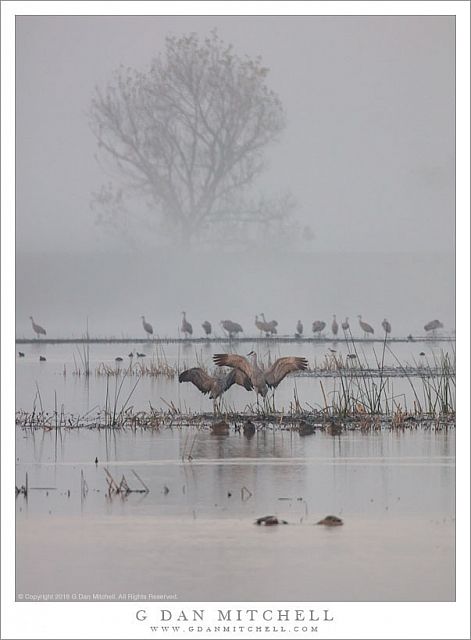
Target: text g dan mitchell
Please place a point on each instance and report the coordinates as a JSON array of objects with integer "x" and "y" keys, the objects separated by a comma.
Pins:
[{"x": 235, "y": 615}]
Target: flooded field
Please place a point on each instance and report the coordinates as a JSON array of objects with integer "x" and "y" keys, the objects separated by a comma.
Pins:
[
  {"x": 57, "y": 382},
  {"x": 192, "y": 535}
]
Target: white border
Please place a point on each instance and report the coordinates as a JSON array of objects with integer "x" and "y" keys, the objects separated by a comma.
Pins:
[{"x": 352, "y": 620}]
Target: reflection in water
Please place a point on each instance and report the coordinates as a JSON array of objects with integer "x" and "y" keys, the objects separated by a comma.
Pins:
[{"x": 383, "y": 486}]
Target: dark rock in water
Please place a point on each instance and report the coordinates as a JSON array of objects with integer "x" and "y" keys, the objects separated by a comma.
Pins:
[
  {"x": 220, "y": 428},
  {"x": 269, "y": 521},
  {"x": 331, "y": 521},
  {"x": 96, "y": 460}
]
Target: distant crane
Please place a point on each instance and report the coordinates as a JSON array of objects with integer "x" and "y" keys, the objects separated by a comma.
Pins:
[
  {"x": 271, "y": 326},
  {"x": 386, "y": 326},
  {"x": 215, "y": 385},
  {"x": 232, "y": 328},
  {"x": 346, "y": 325},
  {"x": 38, "y": 330},
  {"x": 318, "y": 326},
  {"x": 335, "y": 326},
  {"x": 261, "y": 379},
  {"x": 207, "y": 327},
  {"x": 433, "y": 325},
  {"x": 259, "y": 324},
  {"x": 147, "y": 327},
  {"x": 367, "y": 328},
  {"x": 299, "y": 329},
  {"x": 187, "y": 329}
]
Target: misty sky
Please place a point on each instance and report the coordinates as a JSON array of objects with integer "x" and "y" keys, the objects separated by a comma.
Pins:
[{"x": 368, "y": 150}]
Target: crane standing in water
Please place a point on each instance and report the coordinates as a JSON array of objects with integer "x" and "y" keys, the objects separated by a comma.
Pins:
[
  {"x": 346, "y": 325},
  {"x": 38, "y": 330},
  {"x": 433, "y": 326},
  {"x": 299, "y": 329},
  {"x": 207, "y": 328},
  {"x": 147, "y": 327},
  {"x": 232, "y": 328},
  {"x": 318, "y": 326},
  {"x": 367, "y": 328},
  {"x": 386, "y": 326},
  {"x": 335, "y": 326},
  {"x": 187, "y": 329}
]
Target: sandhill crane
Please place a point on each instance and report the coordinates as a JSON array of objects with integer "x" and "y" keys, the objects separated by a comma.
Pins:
[
  {"x": 270, "y": 326},
  {"x": 261, "y": 379},
  {"x": 367, "y": 328},
  {"x": 213, "y": 385},
  {"x": 433, "y": 325},
  {"x": 147, "y": 327},
  {"x": 38, "y": 330},
  {"x": 345, "y": 325},
  {"x": 187, "y": 329},
  {"x": 207, "y": 327},
  {"x": 386, "y": 326},
  {"x": 318, "y": 326},
  {"x": 232, "y": 328},
  {"x": 299, "y": 329},
  {"x": 260, "y": 325},
  {"x": 335, "y": 326}
]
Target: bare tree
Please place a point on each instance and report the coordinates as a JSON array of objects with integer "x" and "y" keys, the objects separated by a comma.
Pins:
[{"x": 188, "y": 136}]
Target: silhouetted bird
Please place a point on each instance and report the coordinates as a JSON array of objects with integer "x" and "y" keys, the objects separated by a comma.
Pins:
[
  {"x": 21, "y": 354},
  {"x": 38, "y": 330},
  {"x": 207, "y": 327},
  {"x": 335, "y": 326},
  {"x": 147, "y": 327},
  {"x": 318, "y": 326},
  {"x": 299, "y": 329},
  {"x": 367, "y": 328},
  {"x": 232, "y": 328},
  {"x": 42, "y": 359},
  {"x": 386, "y": 326},
  {"x": 187, "y": 329},
  {"x": 433, "y": 325}
]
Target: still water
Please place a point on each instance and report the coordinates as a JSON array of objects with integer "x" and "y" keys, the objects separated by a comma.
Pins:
[{"x": 193, "y": 537}]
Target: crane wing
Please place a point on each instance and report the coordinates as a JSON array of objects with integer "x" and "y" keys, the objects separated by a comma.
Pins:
[
  {"x": 281, "y": 367},
  {"x": 237, "y": 376},
  {"x": 234, "y": 361},
  {"x": 198, "y": 377}
]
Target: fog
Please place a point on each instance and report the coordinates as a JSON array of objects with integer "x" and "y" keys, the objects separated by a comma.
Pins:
[{"x": 368, "y": 152}]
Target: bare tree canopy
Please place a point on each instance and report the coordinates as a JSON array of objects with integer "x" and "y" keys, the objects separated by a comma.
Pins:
[{"x": 188, "y": 137}]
